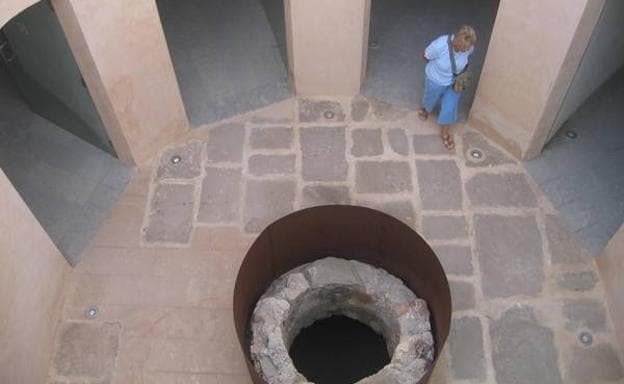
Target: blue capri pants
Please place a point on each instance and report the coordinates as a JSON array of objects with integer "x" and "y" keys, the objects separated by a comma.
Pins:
[{"x": 445, "y": 95}]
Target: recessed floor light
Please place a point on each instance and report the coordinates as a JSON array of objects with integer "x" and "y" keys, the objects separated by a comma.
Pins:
[{"x": 176, "y": 159}]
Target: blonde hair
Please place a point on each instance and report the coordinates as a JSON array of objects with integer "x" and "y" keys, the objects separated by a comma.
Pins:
[{"x": 466, "y": 35}]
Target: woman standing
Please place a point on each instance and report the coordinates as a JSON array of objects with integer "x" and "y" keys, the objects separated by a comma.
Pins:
[{"x": 439, "y": 77}]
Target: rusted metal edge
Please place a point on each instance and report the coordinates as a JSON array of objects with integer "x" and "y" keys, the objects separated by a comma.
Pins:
[{"x": 350, "y": 232}]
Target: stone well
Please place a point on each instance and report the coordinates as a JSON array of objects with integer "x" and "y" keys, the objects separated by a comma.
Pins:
[{"x": 346, "y": 234}]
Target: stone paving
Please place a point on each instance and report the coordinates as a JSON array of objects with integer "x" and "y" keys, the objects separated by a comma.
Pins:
[{"x": 162, "y": 268}]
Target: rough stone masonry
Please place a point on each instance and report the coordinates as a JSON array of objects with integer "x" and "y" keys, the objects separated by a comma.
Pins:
[{"x": 333, "y": 286}]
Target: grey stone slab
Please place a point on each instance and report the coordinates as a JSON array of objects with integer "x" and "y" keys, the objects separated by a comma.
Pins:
[
  {"x": 189, "y": 165},
  {"x": 87, "y": 350},
  {"x": 271, "y": 138},
  {"x": 315, "y": 195},
  {"x": 466, "y": 349},
  {"x": 311, "y": 111},
  {"x": 282, "y": 113},
  {"x": 359, "y": 108},
  {"x": 523, "y": 351},
  {"x": 402, "y": 210},
  {"x": 578, "y": 281},
  {"x": 388, "y": 112},
  {"x": 225, "y": 143},
  {"x": 594, "y": 364},
  {"x": 565, "y": 247},
  {"x": 366, "y": 142},
  {"x": 500, "y": 190},
  {"x": 444, "y": 227},
  {"x": 492, "y": 156},
  {"x": 382, "y": 177},
  {"x": 323, "y": 151},
  {"x": 170, "y": 217},
  {"x": 462, "y": 294},
  {"x": 220, "y": 197},
  {"x": 260, "y": 165},
  {"x": 509, "y": 250},
  {"x": 430, "y": 145},
  {"x": 439, "y": 183},
  {"x": 456, "y": 259},
  {"x": 585, "y": 314},
  {"x": 397, "y": 138},
  {"x": 266, "y": 201}
]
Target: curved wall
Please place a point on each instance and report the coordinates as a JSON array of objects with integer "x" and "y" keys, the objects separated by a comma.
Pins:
[
  {"x": 10, "y": 8},
  {"x": 32, "y": 274}
]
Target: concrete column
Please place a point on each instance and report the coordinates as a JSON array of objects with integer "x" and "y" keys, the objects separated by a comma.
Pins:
[
  {"x": 32, "y": 273},
  {"x": 611, "y": 268},
  {"x": 122, "y": 53},
  {"x": 327, "y": 45},
  {"x": 534, "y": 52}
]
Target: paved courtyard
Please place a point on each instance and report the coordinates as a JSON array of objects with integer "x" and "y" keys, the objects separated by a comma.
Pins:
[{"x": 162, "y": 268}]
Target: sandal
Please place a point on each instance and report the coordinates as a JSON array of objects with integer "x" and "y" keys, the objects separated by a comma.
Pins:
[
  {"x": 423, "y": 114},
  {"x": 448, "y": 142}
]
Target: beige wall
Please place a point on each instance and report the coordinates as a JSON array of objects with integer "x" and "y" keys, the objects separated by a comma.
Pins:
[
  {"x": 31, "y": 281},
  {"x": 10, "y": 8},
  {"x": 121, "y": 50},
  {"x": 611, "y": 267},
  {"x": 327, "y": 44},
  {"x": 535, "y": 49}
]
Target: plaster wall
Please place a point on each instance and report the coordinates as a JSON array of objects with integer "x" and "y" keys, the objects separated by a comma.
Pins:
[
  {"x": 603, "y": 57},
  {"x": 31, "y": 282},
  {"x": 122, "y": 53},
  {"x": 327, "y": 42},
  {"x": 611, "y": 268},
  {"x": 10, "y": 8},
  {"x": 535, "y": 49}
]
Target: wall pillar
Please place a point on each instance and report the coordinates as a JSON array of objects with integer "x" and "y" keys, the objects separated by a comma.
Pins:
[
  {"x": 534, "y": 52},
  {"x": 327, "y": 45},
  {"x": 121, "y": 50}
]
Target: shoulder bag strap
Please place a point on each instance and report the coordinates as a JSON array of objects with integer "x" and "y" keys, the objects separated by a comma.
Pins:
[{"x": 452, "y": 56}]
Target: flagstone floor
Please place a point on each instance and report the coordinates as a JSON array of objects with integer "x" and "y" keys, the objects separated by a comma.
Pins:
[{"x": 161, "y": 270}]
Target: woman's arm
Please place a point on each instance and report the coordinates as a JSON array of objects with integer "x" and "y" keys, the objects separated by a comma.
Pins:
[{"x": 435, "y": 48}]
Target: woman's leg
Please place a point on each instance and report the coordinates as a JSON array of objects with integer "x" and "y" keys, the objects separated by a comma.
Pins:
[
  {"x": 448, "y": 115},
  {"x": 431, "y": 97}
]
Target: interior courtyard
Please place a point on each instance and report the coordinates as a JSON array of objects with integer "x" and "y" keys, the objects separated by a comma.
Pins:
[{"x": 144, "y": 147}]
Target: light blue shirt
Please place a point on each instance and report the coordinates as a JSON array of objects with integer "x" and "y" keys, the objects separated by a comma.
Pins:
[{"x": 438, "y": 68}]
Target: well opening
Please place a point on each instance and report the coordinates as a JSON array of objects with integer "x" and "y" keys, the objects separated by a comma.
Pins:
[
  {"x": 338, "y": 350},
  {"x": 327, "y": 262}
]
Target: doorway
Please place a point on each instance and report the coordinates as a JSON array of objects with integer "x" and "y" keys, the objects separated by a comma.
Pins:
[
  {"x": 400, "y": 30},
  {"x": 53, "y": 146},
  {"x": 229, "y": 55}
]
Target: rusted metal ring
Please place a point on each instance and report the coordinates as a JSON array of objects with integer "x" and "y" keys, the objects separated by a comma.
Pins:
[{"x": 350, "y": 232}]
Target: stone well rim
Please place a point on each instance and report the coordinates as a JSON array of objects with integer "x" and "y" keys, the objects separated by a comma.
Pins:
[{"x": 350, "y": 232}]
